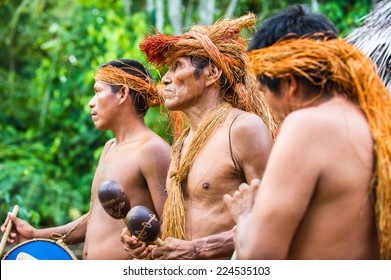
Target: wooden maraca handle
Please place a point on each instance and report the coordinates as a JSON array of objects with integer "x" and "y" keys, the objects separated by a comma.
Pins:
[
  {"x": 159, "y": 242},
  {"x": 8, "y": 229},
  {"x": 234, "y": 256}
]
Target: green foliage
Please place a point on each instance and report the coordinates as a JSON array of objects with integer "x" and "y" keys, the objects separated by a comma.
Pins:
[
  {"x": 50, "y": 147},
  {"x": 346, "y": 14}
]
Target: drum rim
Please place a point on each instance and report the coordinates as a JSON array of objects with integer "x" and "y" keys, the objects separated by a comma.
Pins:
[{"x": 59, "y": 242}]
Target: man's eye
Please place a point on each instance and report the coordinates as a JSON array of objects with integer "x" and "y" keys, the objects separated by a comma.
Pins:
[{"x": 176, "y": 65}]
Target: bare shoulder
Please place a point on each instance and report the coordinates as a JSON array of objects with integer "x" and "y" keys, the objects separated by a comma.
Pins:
[
  {"x": 308, "y": 134},
  {"x": 307, "y": 124},
  {"x": 251, "y": 143},
  {"x": 245, "y": 126},
  {"x": 155, "y": 143},
  {"x": 107, "y": 145},
  {"x": 155, "y": 148}
]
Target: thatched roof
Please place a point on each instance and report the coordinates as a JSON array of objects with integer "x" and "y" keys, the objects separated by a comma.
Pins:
[{"x": 373, "y": 38}]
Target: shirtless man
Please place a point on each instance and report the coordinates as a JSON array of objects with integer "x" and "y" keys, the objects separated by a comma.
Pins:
[
  {"x": 316, "y": 199},
  {"x": 223, "y": 146},
  {"x": 137, "y": 158}
]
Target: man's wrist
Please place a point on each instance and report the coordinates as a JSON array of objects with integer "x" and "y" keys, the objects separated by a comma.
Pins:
[{"x": 199, "y": 249}]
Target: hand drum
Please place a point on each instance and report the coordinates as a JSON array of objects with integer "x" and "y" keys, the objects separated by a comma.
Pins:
[
  {"x": 144, "y": 224},
  {"x": 113, "y": 199}
]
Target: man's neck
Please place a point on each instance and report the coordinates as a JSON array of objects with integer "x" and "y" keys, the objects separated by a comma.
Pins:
[
  {"x": 130, "y": 130},
  {"x": 200, "y": 112}
]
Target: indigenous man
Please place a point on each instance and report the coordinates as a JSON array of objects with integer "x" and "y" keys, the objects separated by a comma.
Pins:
[
  {"x": 225, "y": 144},
  {"x": 136, "y": 158},
  {"x": 330, "y": 164}
]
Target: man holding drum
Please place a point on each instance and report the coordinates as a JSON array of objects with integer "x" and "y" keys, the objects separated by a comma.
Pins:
[{"x": 136, "y": 158}]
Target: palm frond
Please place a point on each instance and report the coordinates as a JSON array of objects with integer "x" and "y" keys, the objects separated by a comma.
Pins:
[{"x": 373, "y": 38}]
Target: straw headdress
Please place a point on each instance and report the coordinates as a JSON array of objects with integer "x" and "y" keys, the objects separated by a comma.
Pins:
[
  {"x": 223, "y": 44},
  {"x": 339, "y": 67},
  {"x": 136, "y": 80}
]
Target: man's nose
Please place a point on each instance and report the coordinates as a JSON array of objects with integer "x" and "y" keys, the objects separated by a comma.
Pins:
[
  {"x": 91, "y": 103},
  {"x": 166, "y": 78}
]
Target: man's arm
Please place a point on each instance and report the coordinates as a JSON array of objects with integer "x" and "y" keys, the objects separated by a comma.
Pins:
[
  {"x": 251, "y": 145},
  {"x": 215, "y": 246},
  {"x": 74, "y": 231},
  {"x": 285, "y": 192},
  {"x": 156, "y": 160}
]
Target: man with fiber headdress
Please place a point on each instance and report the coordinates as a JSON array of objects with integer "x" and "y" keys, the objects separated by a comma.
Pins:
[
  {"x": 326, "y": 191},
  {"x": 136, "y": 158},
  {"x": 226, "y": 141}
]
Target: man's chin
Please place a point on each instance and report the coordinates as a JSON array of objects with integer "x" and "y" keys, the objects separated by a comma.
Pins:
[
  {"x": 170, "y": 106},
  {"x": 99, "y": 127}
]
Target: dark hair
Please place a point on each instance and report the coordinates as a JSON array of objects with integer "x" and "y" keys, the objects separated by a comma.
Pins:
[
  {"x": 200, "y": 63},
  {"x": 292, "y": 22},
  {"x": 310, "y": 89},
  {"x": 137, "y": 69}
]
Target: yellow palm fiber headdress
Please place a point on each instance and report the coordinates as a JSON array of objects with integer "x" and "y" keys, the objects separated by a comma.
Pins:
[
  {"x": 140, "y": 82},
  {"x": 341, "y": 68}
]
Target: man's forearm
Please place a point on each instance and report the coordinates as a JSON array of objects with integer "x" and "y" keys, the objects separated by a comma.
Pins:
[
  {"x": 217, "y": 246},
  {"x": 71, "y": 233}
]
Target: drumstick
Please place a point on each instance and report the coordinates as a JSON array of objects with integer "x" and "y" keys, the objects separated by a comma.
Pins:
[{"x": 8, "y": 229}]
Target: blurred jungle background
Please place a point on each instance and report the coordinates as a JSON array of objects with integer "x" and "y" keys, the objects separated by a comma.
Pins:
[{"x": 49, "y": 51}]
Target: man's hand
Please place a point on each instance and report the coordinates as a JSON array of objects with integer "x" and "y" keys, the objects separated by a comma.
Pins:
[
  {"x": 21, "y": 230},
  {"x": 175, "y": 249},
  {"x": 135, "y": 248},
  {"x": 242, "y": 201}
]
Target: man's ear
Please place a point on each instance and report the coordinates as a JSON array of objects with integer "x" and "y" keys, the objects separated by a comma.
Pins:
[
  {"x": 292, "y": 86},
  {"x": 213, "y": 74},
  {"x": 124, "y": 93}
]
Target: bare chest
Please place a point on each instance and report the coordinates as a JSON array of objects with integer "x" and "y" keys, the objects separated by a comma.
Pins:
[{"x": 213, "y": 172}]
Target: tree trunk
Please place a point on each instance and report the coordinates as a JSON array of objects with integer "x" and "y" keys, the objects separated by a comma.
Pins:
[
  {"x": 229, "y": 13},
  {"x": 315, "y": 6},
  {"x": 127, "y": 6},
  {"x": 159, "y": 15},
  {"x": 189, "y": 13},
  {"x": 175, "y": 14},
  {"x": 206, "y": 11}
]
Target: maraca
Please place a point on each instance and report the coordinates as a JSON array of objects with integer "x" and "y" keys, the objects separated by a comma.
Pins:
[
  {"x": 114, "y": 200},
  {"x": 143, "y": 223}
]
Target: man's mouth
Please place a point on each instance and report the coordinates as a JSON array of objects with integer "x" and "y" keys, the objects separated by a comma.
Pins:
[{"x": 168, "y": 94}]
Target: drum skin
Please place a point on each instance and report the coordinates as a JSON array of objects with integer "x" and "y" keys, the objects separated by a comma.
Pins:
[{"x": 41, "y": 249}]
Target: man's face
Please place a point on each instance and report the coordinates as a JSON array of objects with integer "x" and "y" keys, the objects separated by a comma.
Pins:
[
  {"x": 103, "y": 106},
  {"x": 181, "y": 87},
  {"x": 275, "y": 101}
]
